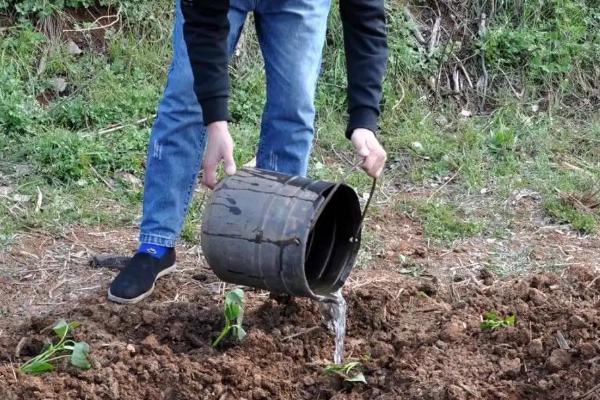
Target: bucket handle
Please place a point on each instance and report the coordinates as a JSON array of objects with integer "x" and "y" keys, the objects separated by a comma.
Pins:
[{"x": 364, "y": 212}]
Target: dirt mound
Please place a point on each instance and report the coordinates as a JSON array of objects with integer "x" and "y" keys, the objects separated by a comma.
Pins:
[{"x": 416, "y": 339}]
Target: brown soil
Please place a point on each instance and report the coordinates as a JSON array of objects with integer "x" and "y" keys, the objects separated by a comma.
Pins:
[
  {"x": 414, "y": 345},
  {"x": 413, "y": 322}
]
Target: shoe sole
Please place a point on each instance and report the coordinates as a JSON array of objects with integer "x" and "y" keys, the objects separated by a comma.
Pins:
[{"x": 142, "y": 296}]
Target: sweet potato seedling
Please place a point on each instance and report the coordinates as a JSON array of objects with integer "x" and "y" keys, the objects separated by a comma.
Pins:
[
  {"x": 77, "y": 351},
  {"x": 349, "y": 371},
  {"x": 491, "y": 321},
  {"x": 234, "y": 314}
]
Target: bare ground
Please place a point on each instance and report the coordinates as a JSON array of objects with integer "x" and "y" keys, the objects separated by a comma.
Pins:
[{"x": 414, "y": 315}]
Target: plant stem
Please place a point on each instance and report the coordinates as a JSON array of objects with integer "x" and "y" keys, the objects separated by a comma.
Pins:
[{"x": 223, "y": 334}]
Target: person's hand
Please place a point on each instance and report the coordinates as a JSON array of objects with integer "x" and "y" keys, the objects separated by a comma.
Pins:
[
  {"x": 219, "y": 148},
  {"x": 367, "y": 146}
]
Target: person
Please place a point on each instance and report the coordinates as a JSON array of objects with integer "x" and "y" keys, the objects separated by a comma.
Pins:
[{"x": 193, "y": 115}]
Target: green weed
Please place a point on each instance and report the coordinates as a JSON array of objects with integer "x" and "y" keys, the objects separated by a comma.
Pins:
[
  {"x": 562, "y": 212},
  {"x": 491, "y": 321},
  {"x": 441, "y": 220}
]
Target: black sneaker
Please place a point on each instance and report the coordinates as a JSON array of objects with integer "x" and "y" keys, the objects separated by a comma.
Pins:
[{"x": 136, "y": 281}]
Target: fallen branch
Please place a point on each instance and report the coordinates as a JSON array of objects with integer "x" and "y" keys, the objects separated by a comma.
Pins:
[
  {"x": 304, "y": 332},
  {"x": 482, "y": 30},
  {"x": 107, "y": 183},
  {"x": 588, "y": 395},
  {"x": 413, "y": 25},
  {"x": 434, "y": 39},
  {"x": 94, "y": 28},
  {"x": 118, "y": 127},
  {"x": 444, "y": 184}
]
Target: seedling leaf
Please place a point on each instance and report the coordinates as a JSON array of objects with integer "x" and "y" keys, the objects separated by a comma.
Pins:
[
  {"x": 38, "y": 368},
  {"x": 360, "y": 377},
  {"x": 232, "y": 311},
  {"x": 61, "y": 328},
  {"x": 236, "y": 296},
  {"x": 240, "y": 332},
  {"x": 79, "y": 357},
  {"x": 345, "y": 371}
]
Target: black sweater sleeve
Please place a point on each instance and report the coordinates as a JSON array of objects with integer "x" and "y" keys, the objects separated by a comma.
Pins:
[
  {"x": 206, "y": 29},
  {"x": 365, "y": 42},
  {"x": 205, "y": 32}
]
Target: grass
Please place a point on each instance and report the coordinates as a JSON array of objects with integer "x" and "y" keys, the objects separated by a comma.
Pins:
[
  {"x": 544, "y": 140},
  {"x": 442, "y": 221}
]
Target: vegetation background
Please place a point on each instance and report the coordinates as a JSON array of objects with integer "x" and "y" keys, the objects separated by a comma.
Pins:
[{"x": 485, "y": 100}]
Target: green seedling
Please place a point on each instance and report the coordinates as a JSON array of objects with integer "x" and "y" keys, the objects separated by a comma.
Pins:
[
  {"x": 349, "y": 371},
  {"x": 76, "y": 351},
  {"x": 491, "y": 321},
  {"x": 234, "y": 314}
]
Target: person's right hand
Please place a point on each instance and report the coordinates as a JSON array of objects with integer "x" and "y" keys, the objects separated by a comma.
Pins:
[{"x": 219, "y": 147}]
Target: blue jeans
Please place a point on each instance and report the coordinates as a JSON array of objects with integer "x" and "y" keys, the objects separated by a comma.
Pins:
[{"x": 291, "y": 35}]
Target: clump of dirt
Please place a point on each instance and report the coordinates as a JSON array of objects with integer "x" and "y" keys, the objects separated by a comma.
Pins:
[{"x": 413, "y": 345}]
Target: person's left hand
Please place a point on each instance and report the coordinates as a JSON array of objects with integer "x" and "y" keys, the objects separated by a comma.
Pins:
[{"x": 368, "y": 147}]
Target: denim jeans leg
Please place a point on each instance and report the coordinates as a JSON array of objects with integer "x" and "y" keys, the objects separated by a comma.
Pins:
[
  {"x": 177, "y": 142},
  {"x": 291, "y": 35}
]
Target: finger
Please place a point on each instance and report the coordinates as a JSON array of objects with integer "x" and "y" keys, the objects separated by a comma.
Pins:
[
  {"x": 209, "y": 173},
  {"x": 380, "y": 164},
  {"x": 369, "y": 163},
  {"x": 362, "y": 149},
  {"x": 229, "y": 162},
  {"x": 360, "y": 145}
]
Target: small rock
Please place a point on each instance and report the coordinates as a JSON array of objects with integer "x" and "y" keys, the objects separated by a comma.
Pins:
[
  {"x": 428, "y": 288},
  {"x": 441, "y": 345},
  {"x": 73, "y": 48},
  {"x": 536, "y": 297},
  {"x": 5, "y": 190},
  {"x": 130, "y": 348},
  {"x": 151, "y": 342},
  {"x": 543, "y": 384},
  {"x": 587, "y": 350},
  {"x": 399, "y": 342},
  {"x": 218, "y": 389},
  {"x": 59, "y": 84},
  {"x": 382, "y": 350},
  {"x": 420, "y": 252},
  {"x": 466, "y": 113},
  {"x": 417, "y": 146},
  {"x": 260, "y": 393},
  {"x": 452, "y": 331},
  {"x": 441, "y": 120},
  {"x": 23, "y": 170},
  {"x": 578, "y": 322},
  {"x": 535, "y": 348},
  {"x": 558, "y": 360},
  {"x": 129, "y": 178},
  {"x": 522, "y": 309},
  {"x": 149, "y": 317},
  {"x": 21, "y": 198},
  {"x": 308, "y": 381},
  {"x": 510, "y": 367}
]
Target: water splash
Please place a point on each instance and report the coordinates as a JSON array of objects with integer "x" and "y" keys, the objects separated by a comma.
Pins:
[{"x": 334, "y": 308}]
